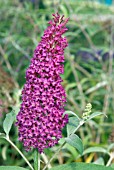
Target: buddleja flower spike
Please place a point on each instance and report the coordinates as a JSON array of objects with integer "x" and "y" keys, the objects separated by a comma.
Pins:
[{"x": 40, "y": 119}]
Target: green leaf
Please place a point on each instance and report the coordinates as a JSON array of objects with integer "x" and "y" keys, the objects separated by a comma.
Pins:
[
  {"x": 15, "y": 109},
  {"x": 76, "y": 142},
  {"x": 81, "y": 166},
  {"x": 112, "y": 165},
  {"x": 72, "y": 125},
  {"x": 99, "y": 161},
  {"x": 96, "y": 87},
  {"x": 94, "y": 115},
  {"x": 69, "y": 86},
  {"x": 7, "y": 124},
  {"x": 64, "y": 10},
  {"x": 110, "y": 147},
  {"x": 73, "y": 152},
  {"x": 11, "y": 168},
  {"x": 61, "y": 141},
  {"x": 95, "y": 149},
  {"x": 71, "y": 113},
  {"x": 2, "y": 135}
]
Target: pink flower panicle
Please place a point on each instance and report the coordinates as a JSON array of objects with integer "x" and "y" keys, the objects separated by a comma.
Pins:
[{"x": 40, "y": 119}]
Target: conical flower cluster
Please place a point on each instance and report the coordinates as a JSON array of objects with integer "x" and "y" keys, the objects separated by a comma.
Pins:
[{"x": 41, "y": 119}]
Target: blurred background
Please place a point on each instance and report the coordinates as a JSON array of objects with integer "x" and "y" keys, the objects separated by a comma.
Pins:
[{"x": 88, "y": 76}]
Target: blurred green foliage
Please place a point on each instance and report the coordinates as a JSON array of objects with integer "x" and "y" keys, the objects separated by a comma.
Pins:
[{"x": 88, "y": 76}]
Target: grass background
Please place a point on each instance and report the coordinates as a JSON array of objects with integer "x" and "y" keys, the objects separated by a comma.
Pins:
[{"x": 88, "y": 76}]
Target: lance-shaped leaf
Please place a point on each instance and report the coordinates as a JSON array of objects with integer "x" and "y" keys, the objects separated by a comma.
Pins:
[
  {"x": 81, "y": 166},
  {"x": 73, "y": 125},
  {"x": 7, "y": 124},
  {"x": 76, "y": 142},
  {"x": 95, "y": 149},
  {"x": 11, "y": 168},
  {"x": 95, "y": 114}
]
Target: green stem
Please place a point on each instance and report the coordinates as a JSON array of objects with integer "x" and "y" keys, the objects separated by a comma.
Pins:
[
  {"x": 54, "y": 155},
  {"x": 81, "y": 123},
  {"x": 36, "y": 160},
  {"x": 110, "y": 159},
  {"x": 44, "y": 157},
  {"x": 7, "y": 138}
]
